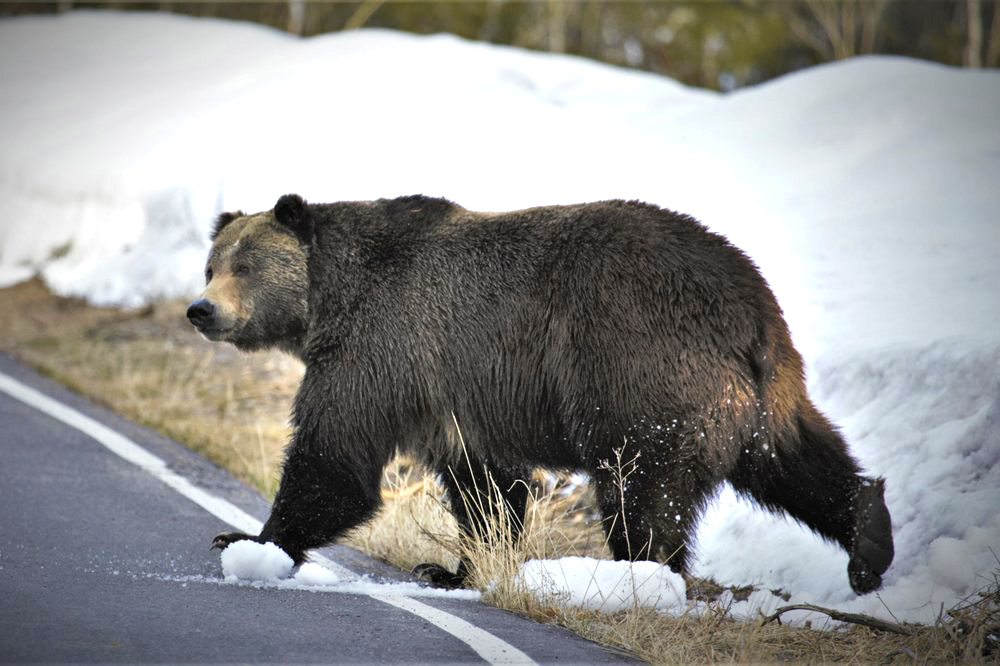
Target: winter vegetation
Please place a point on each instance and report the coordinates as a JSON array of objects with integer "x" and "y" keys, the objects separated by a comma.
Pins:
[
  {"x": 717, "y": 45},
  {"x": 865, "y": 190}
]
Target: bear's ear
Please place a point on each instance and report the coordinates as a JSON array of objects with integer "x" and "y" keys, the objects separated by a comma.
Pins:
[
  {"x": 222, "y": 221},
  {"x": 292, "y": 212}
]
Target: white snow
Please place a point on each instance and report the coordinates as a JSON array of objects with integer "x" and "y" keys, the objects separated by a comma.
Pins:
[
  {"x": 865, "y": 190},
  {"x": 314, "y": 574},
  {"x": 249, "y": 560},
  {"x": 266, "y": 565},
  {"x": 605, "y": 585}
]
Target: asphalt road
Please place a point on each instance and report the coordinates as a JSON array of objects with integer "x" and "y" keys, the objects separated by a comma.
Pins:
[{"x": 100, "y": 560}]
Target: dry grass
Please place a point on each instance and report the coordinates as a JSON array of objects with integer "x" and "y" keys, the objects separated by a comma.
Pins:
[
  {"x": 150, "y": 366},
  {"x": 968, "y": 633}
]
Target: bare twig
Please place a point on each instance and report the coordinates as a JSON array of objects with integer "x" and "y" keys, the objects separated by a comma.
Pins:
[
  {"x": 903, "y": 650},
  {"x": 362, "y": 14},
  {"x": 840, "y": 616}
]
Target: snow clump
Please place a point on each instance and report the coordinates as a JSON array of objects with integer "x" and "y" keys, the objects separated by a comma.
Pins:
[
  {"x": 605, "y": 585},
  {"x": 249, "y": 560}
]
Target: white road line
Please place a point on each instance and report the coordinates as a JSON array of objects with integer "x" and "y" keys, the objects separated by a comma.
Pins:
[{"x": 492, "y": 649}]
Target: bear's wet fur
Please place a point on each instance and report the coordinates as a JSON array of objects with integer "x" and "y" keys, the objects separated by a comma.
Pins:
[{"x": 553, "y": 337}]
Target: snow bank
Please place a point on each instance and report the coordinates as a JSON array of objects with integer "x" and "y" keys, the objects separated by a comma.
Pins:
[
  {"x": 131, "y": 131},
  {"x": 865, "y": 190},
  {"x": 605, "y": 585}
]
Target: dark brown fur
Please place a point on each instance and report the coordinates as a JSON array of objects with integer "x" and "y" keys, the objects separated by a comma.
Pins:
[{"x": 555, "y": 337}]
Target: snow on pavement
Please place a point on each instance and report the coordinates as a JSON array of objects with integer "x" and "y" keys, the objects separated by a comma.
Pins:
[
  {"x": 249, "y": 560},
  {"x": 865, "y": 190},
  {"x": 266, "y": 565}
]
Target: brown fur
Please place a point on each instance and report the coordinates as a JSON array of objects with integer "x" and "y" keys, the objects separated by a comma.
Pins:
[
  {"x": 273, "y": 288},
  {"x": 558, "y": 336}
]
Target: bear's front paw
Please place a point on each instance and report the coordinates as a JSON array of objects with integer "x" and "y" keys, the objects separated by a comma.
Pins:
[
  {"x": 438, "y": 576},
  {"x": 226, "y": 538}
]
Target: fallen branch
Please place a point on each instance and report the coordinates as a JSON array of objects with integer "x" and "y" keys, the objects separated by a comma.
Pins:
[{"x": 840, "y": 616}]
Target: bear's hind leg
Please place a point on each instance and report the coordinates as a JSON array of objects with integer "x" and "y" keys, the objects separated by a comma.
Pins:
[
  {"x": 815, "y": 480},
  {"x": 658, "y": 514},
  {"x": 873, "y": 551},
  {"x": 478, "y": 495}
]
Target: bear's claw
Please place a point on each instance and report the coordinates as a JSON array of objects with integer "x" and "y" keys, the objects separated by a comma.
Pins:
[
  {"x": 221, "y": 541},
  {"x": 438, "y": 576},
  {"x": 873, "y": 551},
  {"x": 863, "y": 580}
]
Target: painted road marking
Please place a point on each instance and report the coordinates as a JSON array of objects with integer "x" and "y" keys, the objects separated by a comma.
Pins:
[{"x": 492, "y": 649}]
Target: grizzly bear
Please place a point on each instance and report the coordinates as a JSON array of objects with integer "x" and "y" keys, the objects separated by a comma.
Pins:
[{"x": 552, "y": 337}]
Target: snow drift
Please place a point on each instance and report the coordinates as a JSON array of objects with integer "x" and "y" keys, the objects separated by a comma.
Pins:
[{"x": 865, "y": 190}]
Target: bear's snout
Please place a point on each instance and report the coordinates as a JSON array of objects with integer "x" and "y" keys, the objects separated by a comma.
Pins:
[{"x": 201, "y": 313}]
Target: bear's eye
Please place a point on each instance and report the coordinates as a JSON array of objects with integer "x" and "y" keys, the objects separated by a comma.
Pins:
[
  {"x": 242, "y": 269},
  {"x": 208, "y": 275}
]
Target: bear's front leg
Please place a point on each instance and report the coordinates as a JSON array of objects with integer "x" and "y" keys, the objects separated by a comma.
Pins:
[
  {"x": 317, "y": 501},
  {"x": 329, "y": 482}
]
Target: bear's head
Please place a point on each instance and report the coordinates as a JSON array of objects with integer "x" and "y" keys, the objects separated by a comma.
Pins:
[{"x": 256, "y": 279}]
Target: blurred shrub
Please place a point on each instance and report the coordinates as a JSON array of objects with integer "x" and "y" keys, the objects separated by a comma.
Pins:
[{"x": 718, "y": 44}]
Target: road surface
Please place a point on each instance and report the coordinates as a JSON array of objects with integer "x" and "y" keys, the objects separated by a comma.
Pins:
[{"x": 104, "y": 558}]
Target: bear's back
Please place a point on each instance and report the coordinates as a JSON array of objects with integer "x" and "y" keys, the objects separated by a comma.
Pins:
[{"x": 630, "y": 267}]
